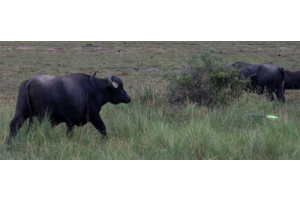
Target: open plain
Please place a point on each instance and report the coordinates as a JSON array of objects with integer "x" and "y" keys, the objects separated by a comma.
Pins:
[{"x": 149, "y": 127}]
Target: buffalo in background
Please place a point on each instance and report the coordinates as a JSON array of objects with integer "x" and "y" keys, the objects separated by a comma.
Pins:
[
  {"x": 292, "y": 80},
  {"x": 74, "y": 99},
  {"x": 269, "y": 76}
]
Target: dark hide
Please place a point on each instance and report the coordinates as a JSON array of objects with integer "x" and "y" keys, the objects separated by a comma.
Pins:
[
  {"x": 292, "y": 80},
  {"x": 269, "y": 76},
  {"x": 73, "y": 99}
]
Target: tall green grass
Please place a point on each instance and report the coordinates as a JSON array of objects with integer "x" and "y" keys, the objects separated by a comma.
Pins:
[{"x": 149, "y": 128}]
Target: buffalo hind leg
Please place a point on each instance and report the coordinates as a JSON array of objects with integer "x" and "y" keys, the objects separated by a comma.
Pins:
[
  {"x": 270, "y": 95},
  {"x": 99, "y": 125},
  {"x": 15, "y": 125},
  {"x": 70, "y": 128},
  {"x": 279, "y": 91}
]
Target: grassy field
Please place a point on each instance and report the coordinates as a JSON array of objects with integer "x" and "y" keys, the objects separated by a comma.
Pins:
[{"x": 148, "y": 127}]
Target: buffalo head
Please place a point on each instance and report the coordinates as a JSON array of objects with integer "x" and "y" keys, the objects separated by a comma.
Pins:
[{"x": 115, "y": 89}]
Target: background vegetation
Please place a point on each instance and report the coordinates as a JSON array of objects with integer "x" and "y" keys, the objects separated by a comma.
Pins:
[
  {"x": 149, "y": 127},
  {"x": 206, "y": 81}
]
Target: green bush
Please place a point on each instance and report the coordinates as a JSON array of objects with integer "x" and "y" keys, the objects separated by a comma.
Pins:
[
  {"x": 89, "y": 44},
  {"x": 206, "y": 81}
]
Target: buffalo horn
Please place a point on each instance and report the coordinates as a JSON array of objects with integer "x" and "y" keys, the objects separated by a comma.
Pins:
[{"x": 95, "y": 73}]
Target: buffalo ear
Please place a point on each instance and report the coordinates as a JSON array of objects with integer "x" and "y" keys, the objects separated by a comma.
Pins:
[
  {"x": 115, "y": 84},
  {"x": 111, "y": 83},
  {"x": 95, "y": 73}
]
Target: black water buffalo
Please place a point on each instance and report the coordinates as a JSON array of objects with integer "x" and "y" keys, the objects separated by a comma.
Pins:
[
  {"x": 292, "y": 80},
  {"x": 74, "y": 99},
  {"x": 269, "y": 76}
]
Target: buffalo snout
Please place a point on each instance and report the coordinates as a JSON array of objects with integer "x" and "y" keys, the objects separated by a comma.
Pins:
[{"x": 127, "y": 99}]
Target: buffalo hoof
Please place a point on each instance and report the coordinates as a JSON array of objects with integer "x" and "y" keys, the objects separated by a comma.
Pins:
[
  {"x": 104, "y": 137},
  {"x": 8, "y": 142}
]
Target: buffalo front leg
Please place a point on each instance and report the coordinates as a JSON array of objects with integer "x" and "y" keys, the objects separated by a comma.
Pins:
[
  {"x": 270, "y": 95},
  {"x": 99, "y": 125}
]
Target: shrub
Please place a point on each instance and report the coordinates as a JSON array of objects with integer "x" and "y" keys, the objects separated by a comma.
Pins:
[
  {"x": 89, "y": 44},
  {"x": 206, "y": 81}
]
